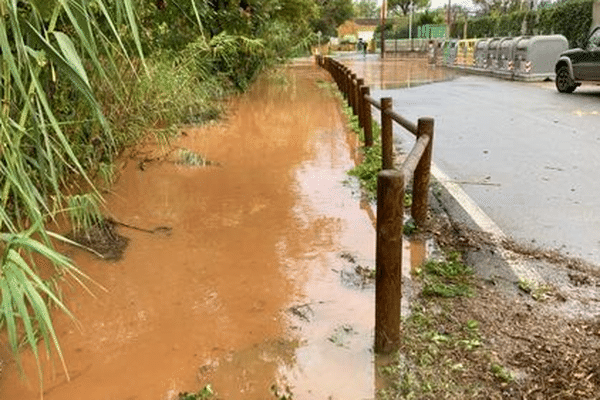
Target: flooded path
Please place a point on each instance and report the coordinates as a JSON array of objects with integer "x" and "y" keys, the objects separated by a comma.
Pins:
[
  {"x": 255, "y": 286},
  {"x": 256, "y": 289},
  {"x": 395, "y": 72}
]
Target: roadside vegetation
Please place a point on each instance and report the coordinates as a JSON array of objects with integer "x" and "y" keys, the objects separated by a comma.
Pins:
[
  {"x": 367, "y": 170},
  {"x": 570, "y": 18},
  {"x": 470, "y": 337},
  {"x": 81, "y": 81},
  {"x": 491, "y": 18},
  {"x": 370, "y": 166},
  {"x": 437, "y": 349}
]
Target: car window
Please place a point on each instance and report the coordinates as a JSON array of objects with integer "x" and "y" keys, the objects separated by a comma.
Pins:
[{"x": 594, "y": 43}]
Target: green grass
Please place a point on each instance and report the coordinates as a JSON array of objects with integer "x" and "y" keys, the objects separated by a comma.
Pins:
[
  {"x": 538, "y": 292},
  {"x": 442, "y": 353},
  {"x": 203, "y": 394},
  {"x": 367, "y": 171},
  {"x": 449, "y": 278},
  {"x": 501, "y": 373}
]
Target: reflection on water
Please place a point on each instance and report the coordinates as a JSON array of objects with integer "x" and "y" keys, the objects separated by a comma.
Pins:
[
  {"x": 397, "y": 72},
  {"x": 247, "y": 292}
]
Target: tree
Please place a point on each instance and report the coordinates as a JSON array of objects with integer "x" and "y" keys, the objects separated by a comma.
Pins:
[
  {"x": 404, "y": 5},
  {"x": 333, "y": 14},
  {"x": 430, "y": 18},
  {"x": 500, "y": 6},
  {"x": 366, "y": 9}
]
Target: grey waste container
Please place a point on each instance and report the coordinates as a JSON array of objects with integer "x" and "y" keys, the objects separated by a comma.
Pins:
[
  {"x": 492, "y": 54},
  {"x": 449, "y": 51},
  {"x": 481, "y": 53},
  {"x": 506, "y": 56},
  {"x": 536, "y": 56}
]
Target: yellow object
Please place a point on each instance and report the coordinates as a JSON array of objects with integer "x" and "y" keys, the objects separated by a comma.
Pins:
[{"x": 466, "y": 50}]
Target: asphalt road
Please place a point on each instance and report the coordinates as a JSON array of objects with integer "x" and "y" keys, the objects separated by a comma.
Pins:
[{"x": 525, "y": 153}]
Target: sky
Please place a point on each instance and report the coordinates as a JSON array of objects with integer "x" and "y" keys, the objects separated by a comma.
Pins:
[{"x": 439, "y": 3}]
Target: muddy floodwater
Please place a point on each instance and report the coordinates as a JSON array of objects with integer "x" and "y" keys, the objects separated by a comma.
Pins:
[
  {"x": 255, "y": 287},
  {"x": 396, "y": 71}
]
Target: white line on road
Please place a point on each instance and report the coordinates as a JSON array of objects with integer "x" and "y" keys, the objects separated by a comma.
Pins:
[{"x": 485, "y": 224}]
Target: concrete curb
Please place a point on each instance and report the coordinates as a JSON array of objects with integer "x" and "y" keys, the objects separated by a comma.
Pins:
[{"x": 461, "y": 208}]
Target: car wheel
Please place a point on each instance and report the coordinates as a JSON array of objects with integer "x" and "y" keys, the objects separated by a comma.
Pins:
[{"x": 564, "y": 83}]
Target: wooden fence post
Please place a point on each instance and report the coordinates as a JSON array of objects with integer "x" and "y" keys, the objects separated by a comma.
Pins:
[
  {"x": 346, "y": 83},
  {"x": 366, "y": 112},
  {"x": 420, "y": 195},
  {"x": 387, "y": 140},
  {"x": 352, "y": 92},
  {"x": 388, "y": 275},
  {"x": 359, "y": 101}
]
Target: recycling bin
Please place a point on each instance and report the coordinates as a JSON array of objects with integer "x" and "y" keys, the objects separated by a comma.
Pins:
[
  {"x": 449, "y": 52},
  {"x": 506, "y": 56},
  {"x": 536, "y": 56},
  {"x": 492, "y": 54},
  {"x": 480, "y": 54}
]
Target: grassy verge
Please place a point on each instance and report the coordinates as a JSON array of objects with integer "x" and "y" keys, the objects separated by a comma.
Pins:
[
  {"x": 367, "y": 171},
  {"x": 438, "y": 350}
]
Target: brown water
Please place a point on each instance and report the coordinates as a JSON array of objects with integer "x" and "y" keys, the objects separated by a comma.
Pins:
[
  {"x": 397, "y": 72},
  {"x": 253, "y": 288}
]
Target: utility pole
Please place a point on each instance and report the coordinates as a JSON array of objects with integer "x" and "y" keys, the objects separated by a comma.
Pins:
[
  {"x": 449, "y": 17},
  {"x": 410, "y": 10},
  {"x": 383, "y": 15}
]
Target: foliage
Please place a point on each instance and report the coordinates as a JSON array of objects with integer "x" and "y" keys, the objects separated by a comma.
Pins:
[
  {"x": 500, "y": 6},
  {"x": 80, "y": 80},
  {"x": 570, "y": 18},
  {"x": 50, "y": 52},
  {"x": 428, "y": 17},
  {"x": 349, "y": 39},
  {"x": 437, "y": 350},
  {"x": 203, "y": 394},
  {"x": 84, "y": 210},
  {"x": 26, "y": 298},
  {"x": 366, "y": 9},
  {"x": 501, "y": 373},
  {"x": 404, "y": 5},
  {"x": 370, "y": 166},
  {"x": 188, "y": 157},
  {"x": 367, "y": 171},
  {"x": 333, "y": 13},
  {"x": 446, "y": 278},
  {"x": 397, "y": 28},
  {"x": 538, "y": 292}
]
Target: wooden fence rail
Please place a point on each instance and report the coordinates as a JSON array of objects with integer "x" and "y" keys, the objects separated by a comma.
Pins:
[{"x": 391, "y": 185}]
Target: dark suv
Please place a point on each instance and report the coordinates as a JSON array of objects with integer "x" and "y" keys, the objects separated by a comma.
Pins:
[{"x": 577, "y": 65}]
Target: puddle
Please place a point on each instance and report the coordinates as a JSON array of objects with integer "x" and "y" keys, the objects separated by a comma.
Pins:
[
  {"x": 245, "y": 293},
  {"x": 397, "y": 72}
]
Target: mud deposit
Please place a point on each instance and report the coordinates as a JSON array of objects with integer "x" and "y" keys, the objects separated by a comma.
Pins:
[{"x": 246, "y": 292}]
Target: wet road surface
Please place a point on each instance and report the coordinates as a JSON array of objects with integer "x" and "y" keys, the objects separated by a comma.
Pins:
[
  {"x": 395, "y": 72},
  {"x": 254, "y": 287},
  {"x": 526, "y": 154}
]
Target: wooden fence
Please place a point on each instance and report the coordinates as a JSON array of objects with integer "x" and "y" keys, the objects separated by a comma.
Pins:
[{"x": 391, "y": 185}]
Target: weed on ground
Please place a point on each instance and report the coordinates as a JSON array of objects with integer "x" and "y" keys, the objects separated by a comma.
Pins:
[
  {"x": 470, "y": 338},
  {"x": 370, "y": 166}
]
